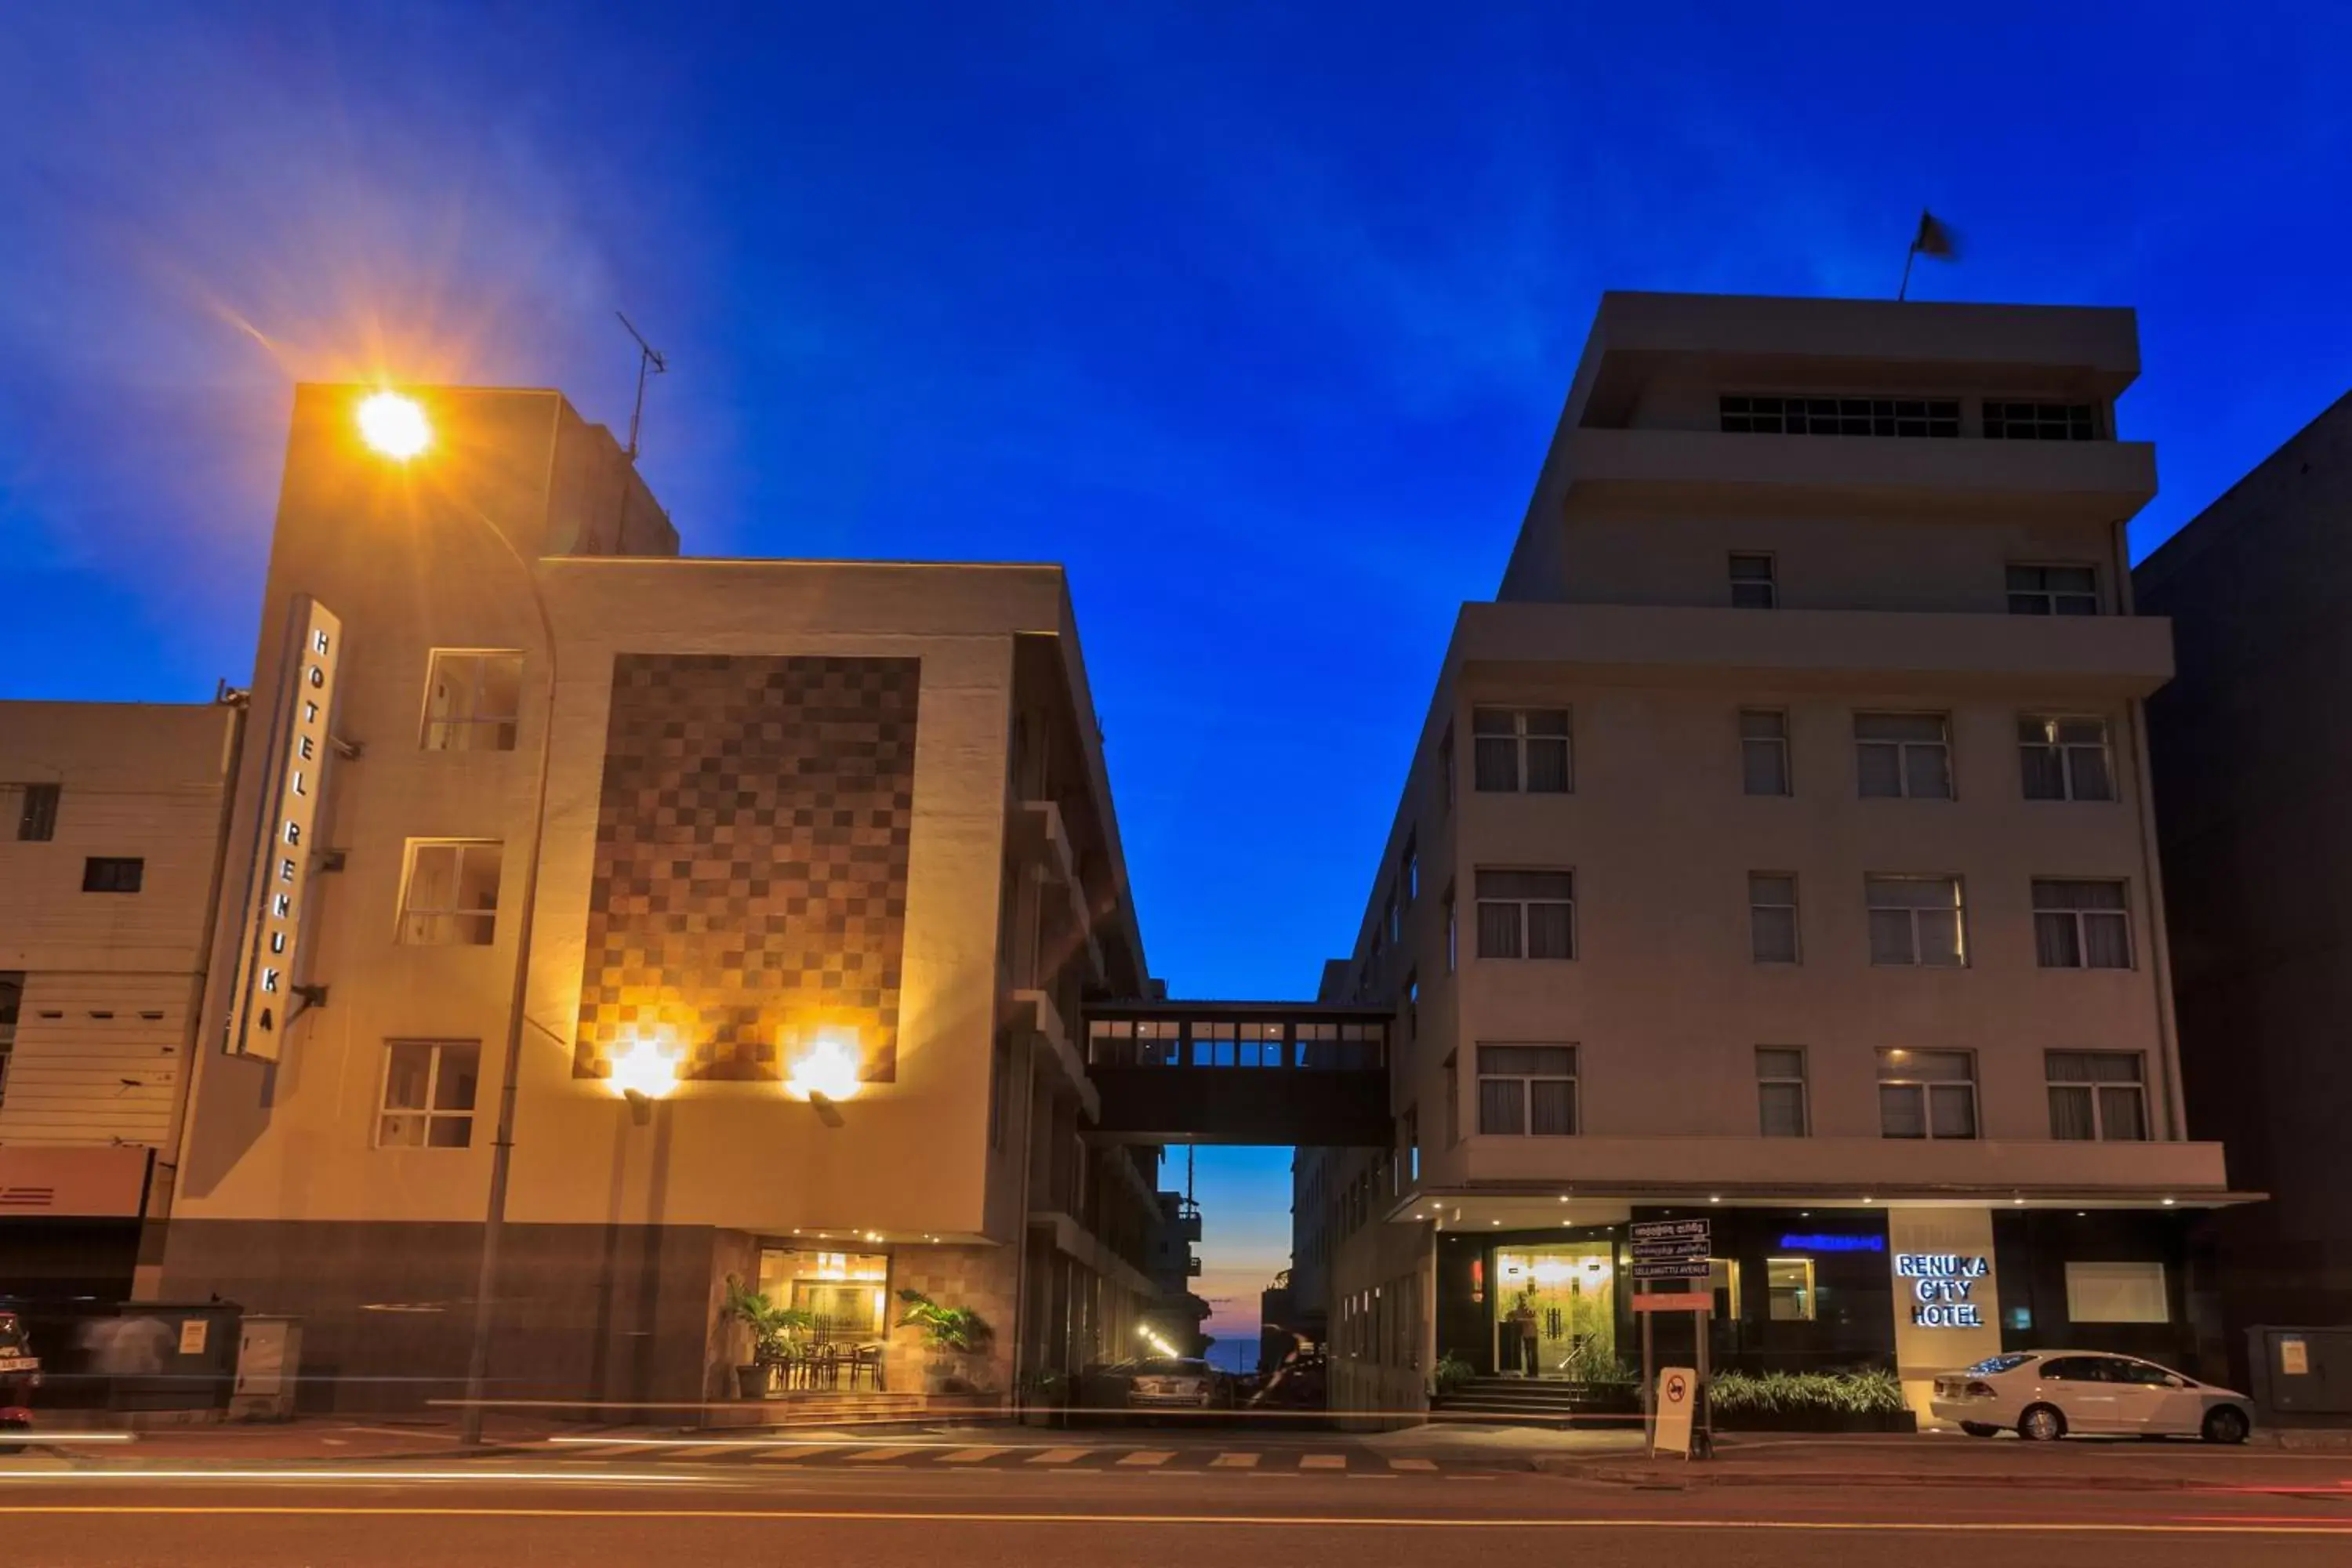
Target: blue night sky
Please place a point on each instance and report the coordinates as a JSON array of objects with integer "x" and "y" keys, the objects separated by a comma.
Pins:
[{"x": 1257, "y": 316}]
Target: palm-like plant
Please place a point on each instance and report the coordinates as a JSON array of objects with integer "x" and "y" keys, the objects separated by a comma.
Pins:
[
  {"x": 958, "y": 1329},
  {"x": 772, "y": 1327}
]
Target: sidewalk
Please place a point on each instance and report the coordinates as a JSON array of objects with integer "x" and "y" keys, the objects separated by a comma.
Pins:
[{"x": 1938, "y": 1459}]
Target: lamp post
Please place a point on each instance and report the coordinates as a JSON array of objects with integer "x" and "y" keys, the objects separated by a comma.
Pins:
[{"x": 395, "y": 427}]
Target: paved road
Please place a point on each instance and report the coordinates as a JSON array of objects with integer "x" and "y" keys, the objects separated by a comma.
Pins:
[{"x": 581, "y": 1512}]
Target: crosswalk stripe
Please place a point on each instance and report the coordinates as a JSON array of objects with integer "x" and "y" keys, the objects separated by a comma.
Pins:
[
  {"x": 1323, "y": 1461},
  {"x": 971, "y": 1456},
  {"x": 1235, "y": 1462},
  {"x": 790, "y": 1453},
  {"x": 1143, "y": 1458},
  {"x": 1413, "y": 1464},
  {"x": 876, "y": 1455},
  {"x": 1059, "y": 1456}
]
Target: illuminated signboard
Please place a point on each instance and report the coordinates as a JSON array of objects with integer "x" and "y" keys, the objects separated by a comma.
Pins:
[
  {"x": 1942, "y": 1285},
  {"x": 291, "y": 791},
  {"x": 1808, "y": 1242}
]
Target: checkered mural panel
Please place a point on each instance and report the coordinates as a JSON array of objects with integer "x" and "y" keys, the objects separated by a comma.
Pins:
[{"x": 750, "y": 879}]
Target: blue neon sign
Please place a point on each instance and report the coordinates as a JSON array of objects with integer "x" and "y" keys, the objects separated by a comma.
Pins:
[{"x": 1834, "y": 1243}]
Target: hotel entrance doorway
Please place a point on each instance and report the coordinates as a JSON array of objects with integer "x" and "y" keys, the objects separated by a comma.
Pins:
[{"x": 1556, "y": 1310}]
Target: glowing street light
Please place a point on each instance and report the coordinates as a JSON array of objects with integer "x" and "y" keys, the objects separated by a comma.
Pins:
[
  {"x": 393, "y": 426},
  {"x": 643, "y": 1073},
  {"x": 827, "y": 1070}
]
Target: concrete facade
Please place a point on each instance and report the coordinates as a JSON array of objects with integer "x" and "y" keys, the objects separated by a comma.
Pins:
[
  {"x": 933, "y": 900},
  {"x": 2250, "y": 810},
  {"x": 1701, "y": 554}
]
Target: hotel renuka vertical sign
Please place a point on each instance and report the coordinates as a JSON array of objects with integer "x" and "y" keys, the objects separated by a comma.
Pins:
[{"x": 291, "y": 788}]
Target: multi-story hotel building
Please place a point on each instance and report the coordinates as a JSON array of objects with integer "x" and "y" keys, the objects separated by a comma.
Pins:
[
  {"x": 111, "y": 818},
  {"x": 1778, "y": 850},
  {"x": 815, "y": 861}
]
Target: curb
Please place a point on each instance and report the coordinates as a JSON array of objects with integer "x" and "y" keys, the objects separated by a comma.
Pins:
[{"x": 1682, "y": 1476}]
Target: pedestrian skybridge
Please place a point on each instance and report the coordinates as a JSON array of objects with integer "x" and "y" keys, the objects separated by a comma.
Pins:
[{"x": 1240, "y": 1072}]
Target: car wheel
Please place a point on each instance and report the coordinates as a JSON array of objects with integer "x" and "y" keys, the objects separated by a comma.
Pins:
[
  {"x": 1979, "y": 1428},
  {"x": 2040, "y": 1423},
  {"x": 2226, "y": 1424}
]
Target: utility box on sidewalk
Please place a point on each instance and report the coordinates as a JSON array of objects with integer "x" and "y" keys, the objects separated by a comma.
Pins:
[
  {"x": 2302, "y": 1376},
  {"x": 268, "y": 1360},
  {"x": 160, "y": 1356}
]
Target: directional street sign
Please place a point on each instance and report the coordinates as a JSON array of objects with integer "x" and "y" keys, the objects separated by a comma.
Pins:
[
  {"x": 1698, "y": 1230},
  {"x": 1670, "y": 1268}
]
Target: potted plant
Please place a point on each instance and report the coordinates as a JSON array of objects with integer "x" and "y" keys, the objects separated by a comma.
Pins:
[
  {"x": 952, "y": 1334},
  {"x": 773, "y": 1329}
]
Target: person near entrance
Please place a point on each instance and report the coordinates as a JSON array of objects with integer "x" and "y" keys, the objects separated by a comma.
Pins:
[{"x": 1521, "y": 1342}]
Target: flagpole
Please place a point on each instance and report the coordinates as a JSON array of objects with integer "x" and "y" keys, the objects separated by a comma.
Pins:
[{"x": 1910, "y": 256}]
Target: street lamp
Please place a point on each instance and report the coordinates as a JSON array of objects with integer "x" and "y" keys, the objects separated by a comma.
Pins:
[{"x": 395, "y": 426}]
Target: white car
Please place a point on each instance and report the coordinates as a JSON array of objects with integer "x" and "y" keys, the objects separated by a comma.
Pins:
[{"x": 2046, "y": 1394}]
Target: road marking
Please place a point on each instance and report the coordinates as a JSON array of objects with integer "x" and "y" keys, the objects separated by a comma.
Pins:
[
  {"x": 1143, "y": 1458},
  {"x": 1269, "y": 1522},
  {"x": 1322, "y": 1461},
  {"x": 1060, "y": 1456},
  {"x": 1413, "y": 1464},
  {"x": 778, "y": 1457},
  {"x": 971, "y": 1456},
  {"x": 878, "y": 1455},
  {"x": 1235, "y": 1461}
]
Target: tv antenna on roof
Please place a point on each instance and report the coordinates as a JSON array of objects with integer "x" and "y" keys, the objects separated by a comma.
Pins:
[{"x": 649, "y": 358}]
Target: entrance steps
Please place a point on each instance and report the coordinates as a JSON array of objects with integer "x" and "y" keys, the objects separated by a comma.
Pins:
[{"x": 1536, "y": 1402}]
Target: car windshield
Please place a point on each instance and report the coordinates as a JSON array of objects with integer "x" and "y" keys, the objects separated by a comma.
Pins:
[{"x": 1995, "y": 1364}]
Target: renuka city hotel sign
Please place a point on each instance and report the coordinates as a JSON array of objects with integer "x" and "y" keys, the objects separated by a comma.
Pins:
[
  {"x": 290, "y": 791},
  {"x": 1942, "y": 1284}
]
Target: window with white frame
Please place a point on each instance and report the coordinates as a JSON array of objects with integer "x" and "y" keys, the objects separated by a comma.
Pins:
[
  {"x": 1780, "y": 1108},
  {"x": 1926, "y": 1094},
  {"x": 472, "y": 698},
  {"x": 1526, "y": 1090},
  {"x": 2097, "y": 1097},
  {"x": 429, "y": 1086},
  {"x": 1915, "y": 417},
  {"x": 2081, "y": 924},
  {"x": 1903, "y": 756},
  {"x": 1527, "y": 914},
  {"x": 1772, "y": 917},
  {"x": 1522, "y": 751},
  {"x": 2053, "y": 590},
  {"x": 450, "y": 894},
  {"x": 2064, "y": 759},
  {"x": 1754, "y": 586},
  {"x": 2014, "y": 420},
  {"x": 1763, "y": 751},
  {"x": 1917, "y": 921}
]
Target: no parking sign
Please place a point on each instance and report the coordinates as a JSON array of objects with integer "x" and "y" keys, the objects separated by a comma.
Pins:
[{"x": 1678, "y": 1397}]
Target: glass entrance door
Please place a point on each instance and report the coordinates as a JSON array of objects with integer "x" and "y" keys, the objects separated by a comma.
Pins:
[{"x": 1556, "y": 1310}]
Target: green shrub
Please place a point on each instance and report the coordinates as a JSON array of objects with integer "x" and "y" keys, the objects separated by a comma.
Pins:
[
  {"x": 1450, "y": 1372},
  {"x": 1870, "y": 1391}
]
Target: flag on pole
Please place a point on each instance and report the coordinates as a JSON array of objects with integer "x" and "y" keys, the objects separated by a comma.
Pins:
[{"x": 1937, "y": 238}]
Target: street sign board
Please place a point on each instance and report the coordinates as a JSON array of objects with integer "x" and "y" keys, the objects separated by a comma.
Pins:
[
  {"x": 1695, "y": 1230},
  {"x": 1677, "y": 1398},
  {"x": 1665, "y": 1249},
  {"x": 1675, "y": 1302},
  {"x": 1687, "y": 1268}
]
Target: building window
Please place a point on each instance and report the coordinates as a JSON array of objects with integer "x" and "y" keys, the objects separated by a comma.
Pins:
[
  {"x": 112, "y": 874},
  {"x": 1780, "y": 1091},
  {"x": 2064, "y": 759},
  {"x": 1000, "y": 1083},
  {"x": 1763, "y": 751},
  {"x": 1772, "y": 917},
  {"x": 1723, "y": 1284},
  {"x": 1904, "y": 756},
  {"x": 1526, "y": 1090},
  {"x": 1522, "y": 751},
  {"x": 33, "y": 810},
  {"x": 1527, "y": 914},
  {"x": 1453, "y": 933},
  {"x": 2081, "y": 925},
  {"x": 471, "y": 699},
  {"x": 1926, "y": 1094},
  {"x": 1933, "y": 417},
  {"x": 1446, "y": 768},
  {"x": 2040, "y": 421},
  {"x": 12, "y": 1000},
  {"x": 1413, "y": 1143},
  {"x": 2097, "y": 1097},
  {"x": 2117, "y": 1293},
  {"x": 1789, "y": 1290},
  {"x": 2053, "y": 590},
  {"x": 1412, "y": 1007},
  {"x": 1752, "y": 584},
  {"x": 1409, "y": 879},
  {"x": 1917, "y": 921},
  {"x": 450, "y": 897},
  {"x": 429, "y": 1094}
]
